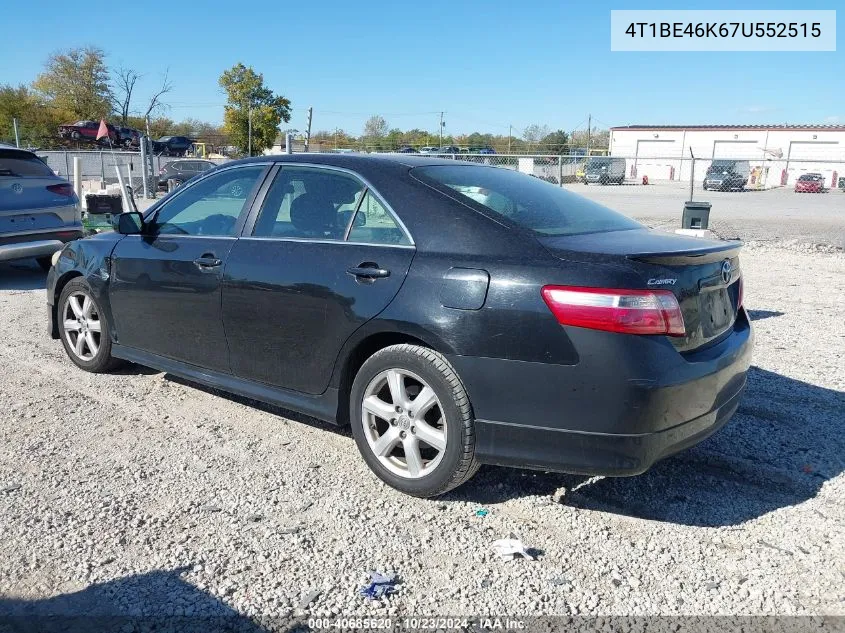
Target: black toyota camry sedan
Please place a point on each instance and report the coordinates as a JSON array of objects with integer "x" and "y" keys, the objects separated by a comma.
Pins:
[{"x": 454, "y": 314}]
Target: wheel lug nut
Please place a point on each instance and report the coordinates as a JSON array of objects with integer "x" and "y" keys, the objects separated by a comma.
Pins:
[
  {"x": 402, "y": 434},
  {"x": 393, "y": 421},
  {"x": 398, "y": 409}
]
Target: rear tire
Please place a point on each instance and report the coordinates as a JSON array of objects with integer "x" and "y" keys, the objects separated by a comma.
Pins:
[
  {"x": 80, "y": 316},
  {"x": 388, "y": 429}
]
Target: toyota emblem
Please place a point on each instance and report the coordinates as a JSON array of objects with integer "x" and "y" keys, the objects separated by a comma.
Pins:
[
  {"x": 727, "y": 269},
  {"x": 17, "y": 187}
]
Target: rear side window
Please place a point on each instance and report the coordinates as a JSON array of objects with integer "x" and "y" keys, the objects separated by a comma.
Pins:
[
  {"x": 524, "y": 200},
  {"x": 22, "y": 164},
  {"x": 374, "y": 225}
]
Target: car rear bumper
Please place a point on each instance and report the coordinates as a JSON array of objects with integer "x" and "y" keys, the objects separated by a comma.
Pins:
[
  {"x": 37, "y": 244},
  {"x": 616, "y": 416}
]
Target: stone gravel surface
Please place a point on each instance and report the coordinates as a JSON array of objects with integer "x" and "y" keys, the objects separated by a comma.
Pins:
[{"x": 136, "y": 493}]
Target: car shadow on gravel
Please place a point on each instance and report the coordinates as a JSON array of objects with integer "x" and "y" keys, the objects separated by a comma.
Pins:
[
  {"x": 759, "y": 315},
  {"x": 155, "y": 601},
  {"x": 785, "y": 441},
  {"x": 23, "y": 275},
  {"x": 285, "y": 414}
]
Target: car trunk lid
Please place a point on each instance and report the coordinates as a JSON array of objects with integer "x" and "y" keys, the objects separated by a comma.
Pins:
[{"x": 704, "y": 275}]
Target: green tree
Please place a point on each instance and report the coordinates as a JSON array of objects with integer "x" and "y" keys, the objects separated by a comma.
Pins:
[
  {"x": 76, "y": 83},
  {"x": 555, "y": 142},
  {"x": 36, "y": 120},
  {"x": 247, "y": 97}
]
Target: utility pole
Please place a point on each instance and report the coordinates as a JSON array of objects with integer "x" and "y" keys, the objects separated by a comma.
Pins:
[
  {"x": 17, "y": 136},
  {"x": 336, "y": 130},
  {"x": 249, "y": 133},
  {"x": 308, "y": 129},
  {"x": 441, "y": 129},
  {"x": 510, "y": 134},
  {"x": 589, "y": 131}
]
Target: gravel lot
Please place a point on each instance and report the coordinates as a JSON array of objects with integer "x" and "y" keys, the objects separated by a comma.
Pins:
[{"x": 136, "y": 493}]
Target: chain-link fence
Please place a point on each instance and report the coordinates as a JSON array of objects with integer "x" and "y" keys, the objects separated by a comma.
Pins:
[
  {"x": 99, "y": 165},
  {"x": 730, "y": 173}
]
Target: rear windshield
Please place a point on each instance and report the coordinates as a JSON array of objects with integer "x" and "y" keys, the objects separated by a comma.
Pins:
[
  {"x": 22, "y": 164},
  {"x": 722, "y": 165},
  {"x": 526, "y": 201}
]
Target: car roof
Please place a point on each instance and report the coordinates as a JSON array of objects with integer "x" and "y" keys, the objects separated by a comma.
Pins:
[
  {"x": 17, "y": 149},
  {"x": 354, "y": 161}
]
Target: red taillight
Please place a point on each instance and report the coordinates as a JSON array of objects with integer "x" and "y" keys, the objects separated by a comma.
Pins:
[
  {"x": 613, "y": 310},
  {"x": 64, "y": 189}
]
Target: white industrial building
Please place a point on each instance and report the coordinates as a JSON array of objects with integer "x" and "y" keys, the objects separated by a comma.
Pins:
[{"x": 778, "y": 154}]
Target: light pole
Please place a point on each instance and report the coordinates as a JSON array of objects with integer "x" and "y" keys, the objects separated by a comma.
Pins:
[
  {"x": 441, "y": 129},
  {"x": 249, "y": 133}
]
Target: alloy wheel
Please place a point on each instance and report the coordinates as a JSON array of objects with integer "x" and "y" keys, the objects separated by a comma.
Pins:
[
  {"x": 404, "y": 423},
  {"x": 82, "y": 325}
]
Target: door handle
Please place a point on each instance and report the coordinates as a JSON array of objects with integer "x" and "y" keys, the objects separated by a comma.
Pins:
[
  {"x": 208, "y": 261},
  {"x": 368, "y": 270}
]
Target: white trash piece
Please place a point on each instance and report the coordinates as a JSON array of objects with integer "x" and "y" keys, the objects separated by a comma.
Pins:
[{"x": 509, "y": 548}]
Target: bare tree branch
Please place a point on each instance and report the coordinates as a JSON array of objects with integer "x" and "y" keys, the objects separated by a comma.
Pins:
[
  {"x": 155, "y": 100},
  {"x": 124, "y": 84}
]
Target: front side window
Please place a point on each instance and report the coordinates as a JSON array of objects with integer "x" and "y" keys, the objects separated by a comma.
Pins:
[
  {"x": 524, "y": 200},
  {"x": 211, "y": 207},
  {"x": 374, "y": 224},
  {"x": 308, "y": 202}
]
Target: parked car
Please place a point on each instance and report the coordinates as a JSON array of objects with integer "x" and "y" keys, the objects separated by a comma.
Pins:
[
  {"x": 172, "y": 145},
  {"x": 810, "y": 183},
  {"x": 448, "y": 149},
  {"x": 182, "y": 170},
  {"x": 129, "y": 137},
  {"x": 482, "y": 150},
  {"x": 406, "y": 150},
  {"x": 604, "y": 170},
  {"x": 527, "y": 326},
  {"x": 87, "y": 131},
  {"x": 727, "y": 175},
  {"x": 39, "y": 212},
  {"x": 428, "y": 149}
]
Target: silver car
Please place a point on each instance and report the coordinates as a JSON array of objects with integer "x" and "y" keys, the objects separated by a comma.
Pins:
[{"x": 39, "y": 211}]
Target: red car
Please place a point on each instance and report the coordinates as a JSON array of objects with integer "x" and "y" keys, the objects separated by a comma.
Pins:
[
  {"x": 87, "y": 131},
  {"x": 810, "y": 183}
]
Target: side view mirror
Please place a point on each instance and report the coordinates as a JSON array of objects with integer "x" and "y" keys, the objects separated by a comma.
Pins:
[{"x": 130, "y": 223}]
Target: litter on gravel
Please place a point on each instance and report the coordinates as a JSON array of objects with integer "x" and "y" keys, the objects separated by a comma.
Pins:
[
  {"x": 511, "y": 547},
  {"x": 379, "y": 586}
]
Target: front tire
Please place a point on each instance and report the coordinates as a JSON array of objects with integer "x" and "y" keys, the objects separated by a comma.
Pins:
[
  {"x": 84, "y": 328},
  {"x": 412, "y": 421}
]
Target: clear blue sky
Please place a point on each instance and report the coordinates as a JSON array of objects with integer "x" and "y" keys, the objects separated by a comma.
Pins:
[{"x": 487, "y": 64}]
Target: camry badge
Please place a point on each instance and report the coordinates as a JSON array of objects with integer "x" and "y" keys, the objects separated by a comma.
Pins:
[{"x": 661, "y": 282}]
